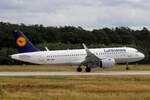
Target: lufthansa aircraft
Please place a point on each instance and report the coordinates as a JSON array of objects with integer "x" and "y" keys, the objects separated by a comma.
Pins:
[{"x": 91, "y": 58}]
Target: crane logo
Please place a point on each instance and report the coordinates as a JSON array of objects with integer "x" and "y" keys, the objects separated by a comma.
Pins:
[{"x": 21, "y": 41}]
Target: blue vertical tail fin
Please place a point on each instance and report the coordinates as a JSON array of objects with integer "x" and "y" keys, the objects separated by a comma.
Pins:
[{"x": 23, "y": 43}]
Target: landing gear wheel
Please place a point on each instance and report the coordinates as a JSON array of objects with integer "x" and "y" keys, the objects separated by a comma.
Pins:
[
  {"x": 88, "y": 69},
  {"x": 127, "y": 68},
  {"x": 79, "y": 69}
]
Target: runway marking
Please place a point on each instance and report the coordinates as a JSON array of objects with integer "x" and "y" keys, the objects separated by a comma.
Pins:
[{"x": 74, "y": 73}]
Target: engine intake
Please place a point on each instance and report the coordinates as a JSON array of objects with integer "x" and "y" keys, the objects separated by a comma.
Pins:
[{"x": 107, "y": 63}]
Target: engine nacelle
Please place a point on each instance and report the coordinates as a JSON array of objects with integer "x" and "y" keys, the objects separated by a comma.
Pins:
[{"x": 107, "y": 63}]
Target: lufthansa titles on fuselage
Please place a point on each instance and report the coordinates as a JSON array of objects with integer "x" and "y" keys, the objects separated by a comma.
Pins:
[{"x": 114, "y": 50}]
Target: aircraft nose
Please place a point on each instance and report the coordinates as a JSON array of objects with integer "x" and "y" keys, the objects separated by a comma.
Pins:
[{"x": 142, "y": 56}]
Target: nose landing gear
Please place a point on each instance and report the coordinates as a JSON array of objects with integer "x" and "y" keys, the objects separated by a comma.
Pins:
[{"x": 127, "y": 67}]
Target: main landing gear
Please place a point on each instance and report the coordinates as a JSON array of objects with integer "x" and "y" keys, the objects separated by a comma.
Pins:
[
  {"x": 87, "y": 69},
  {"x": 79, "y": 69}
]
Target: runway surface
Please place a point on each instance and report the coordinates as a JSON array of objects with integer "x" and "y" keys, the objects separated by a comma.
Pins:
[{"x": 74, "y": 73}]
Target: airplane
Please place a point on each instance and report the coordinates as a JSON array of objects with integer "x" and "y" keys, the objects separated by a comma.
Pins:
[{"x": 91, "y": 58}]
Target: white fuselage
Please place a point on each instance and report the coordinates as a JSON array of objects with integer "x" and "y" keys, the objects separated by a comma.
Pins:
[{"x": 75, "y": 57}]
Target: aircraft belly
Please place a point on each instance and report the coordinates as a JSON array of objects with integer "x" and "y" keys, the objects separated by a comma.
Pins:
[{"x": 124, "y": 60}]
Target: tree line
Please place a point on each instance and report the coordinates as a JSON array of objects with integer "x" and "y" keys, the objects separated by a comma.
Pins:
[{"x": 70, "y": 37}]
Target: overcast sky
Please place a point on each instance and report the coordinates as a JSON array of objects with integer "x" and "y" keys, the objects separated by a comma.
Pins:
[{"x": 89, "y": 14}]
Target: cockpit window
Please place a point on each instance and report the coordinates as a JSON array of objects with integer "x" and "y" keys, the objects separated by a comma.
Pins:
[{"x": 133, "y": 50}]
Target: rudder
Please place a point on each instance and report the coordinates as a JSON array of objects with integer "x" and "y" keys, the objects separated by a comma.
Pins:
[{"x": 23, "y": 43}]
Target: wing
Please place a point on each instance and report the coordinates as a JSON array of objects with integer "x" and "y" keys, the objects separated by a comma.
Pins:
[{"x": 91, "y": 58}]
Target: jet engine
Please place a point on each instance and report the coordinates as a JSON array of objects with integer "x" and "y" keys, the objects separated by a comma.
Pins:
[{"x": 107, "y": 63}]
